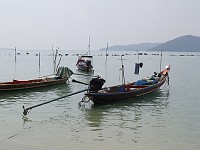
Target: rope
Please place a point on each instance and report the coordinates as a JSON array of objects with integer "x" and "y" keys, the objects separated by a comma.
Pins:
[{"x": 166, "y": 86}]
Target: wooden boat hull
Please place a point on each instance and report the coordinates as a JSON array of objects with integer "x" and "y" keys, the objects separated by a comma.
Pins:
[
  {"x": 28, "y": 84},
  {"x": 102, "y": 97}
]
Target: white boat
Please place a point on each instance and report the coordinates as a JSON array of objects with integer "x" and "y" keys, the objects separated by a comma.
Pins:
[{"x": 84, "y": 63}]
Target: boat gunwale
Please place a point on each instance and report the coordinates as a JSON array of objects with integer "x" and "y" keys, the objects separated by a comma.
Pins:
[
  {"x": 30, "y": 85},
  {"x": 126, "y": 92}
]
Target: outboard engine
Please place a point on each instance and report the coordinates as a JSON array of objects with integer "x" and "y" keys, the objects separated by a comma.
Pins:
[{"x": 96, "y": 84}]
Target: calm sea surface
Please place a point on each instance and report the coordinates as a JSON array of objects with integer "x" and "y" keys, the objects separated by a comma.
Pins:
[{"x": 166, "y": 119}]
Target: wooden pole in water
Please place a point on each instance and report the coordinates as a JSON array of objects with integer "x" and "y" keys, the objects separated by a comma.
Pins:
[
  {"x": 106, "y": 53},
  {"x": 39, "y": 60},
  {"x": 53, "y": 60},
  {"x": 89, "y": 47},
  {"x": 15, "y": 55},
  {"x": 123, "y": 76},
  {"x": 15, "y": 62},
  {"x": 137, "y": 54},
  {"x": 160, "y": 60}
]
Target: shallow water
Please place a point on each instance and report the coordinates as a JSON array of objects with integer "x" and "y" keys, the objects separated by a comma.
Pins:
[{"x": 166, "y": 119}]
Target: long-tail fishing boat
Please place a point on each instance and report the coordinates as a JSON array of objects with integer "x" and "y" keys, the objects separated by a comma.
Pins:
[
  {"x": 85, "y": 62},
  {"x": 106, "y": 95},
  {"x": 60, "y": 77}
]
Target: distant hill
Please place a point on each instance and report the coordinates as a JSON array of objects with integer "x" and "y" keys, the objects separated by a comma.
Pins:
[
  {"x": 132, "y": 47},
  {"x": 187, "y": 43}
]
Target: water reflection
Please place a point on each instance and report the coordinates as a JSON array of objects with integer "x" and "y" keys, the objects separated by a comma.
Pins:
[
  {"x": 30, "y": 96},
  {"x": 26, "y": 120},
  {"x": 129, "y": 116},
  {"x": 89, "y": 73}
]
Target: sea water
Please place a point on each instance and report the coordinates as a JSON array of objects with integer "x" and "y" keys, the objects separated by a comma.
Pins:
[{"x": 166, "y": 119}]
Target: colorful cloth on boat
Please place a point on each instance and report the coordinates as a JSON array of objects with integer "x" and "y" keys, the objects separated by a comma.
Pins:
[
  {"x": 137, "y": 68},
  {"x": 147, "y": 82}
]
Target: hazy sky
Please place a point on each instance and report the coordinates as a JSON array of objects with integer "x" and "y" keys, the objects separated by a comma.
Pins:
[{"x": 67, "y": 24}]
